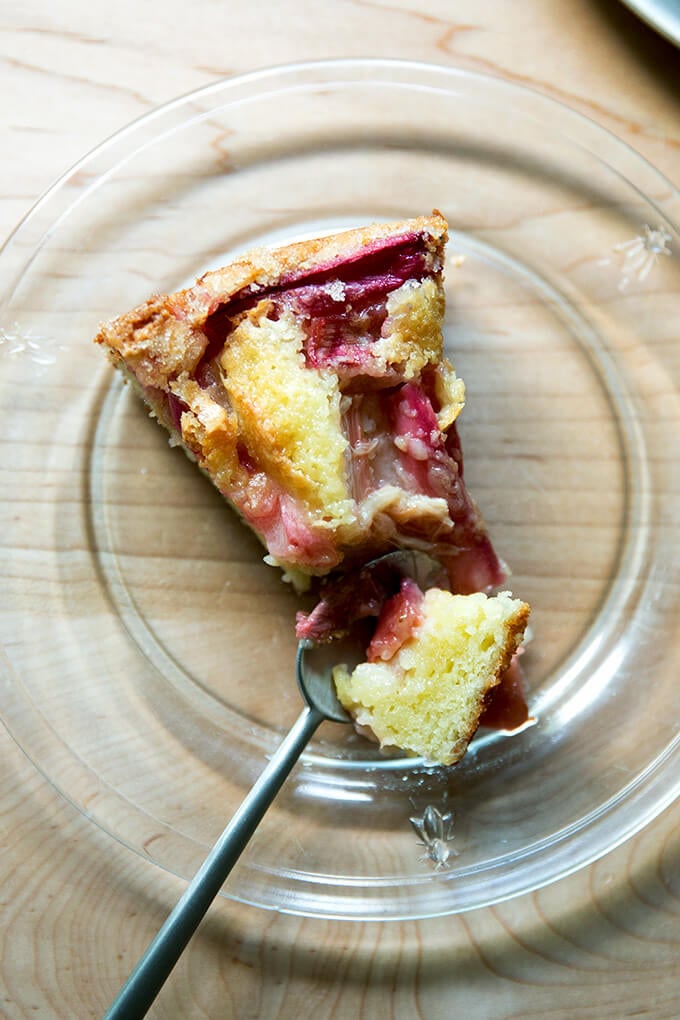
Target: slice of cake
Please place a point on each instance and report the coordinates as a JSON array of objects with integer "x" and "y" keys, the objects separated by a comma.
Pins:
[
  {"x": 309, "y": 384},
  {"x": 432, "y": 664}
]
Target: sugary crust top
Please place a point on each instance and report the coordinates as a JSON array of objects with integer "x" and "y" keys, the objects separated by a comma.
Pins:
[
  {"x": 265, "y": 267},
  {"x": 163, "y": 338}
]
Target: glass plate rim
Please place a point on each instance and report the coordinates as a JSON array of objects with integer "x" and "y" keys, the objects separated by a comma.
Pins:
[{"x": 261, "y": 74}]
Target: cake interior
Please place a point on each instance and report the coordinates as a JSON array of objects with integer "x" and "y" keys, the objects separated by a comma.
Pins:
[{"x": 323, "y": 409}]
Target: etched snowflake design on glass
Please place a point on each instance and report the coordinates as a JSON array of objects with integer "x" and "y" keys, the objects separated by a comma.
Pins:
[
  {"x": 642, "y": 253},
  {"x": 16, "y": 341},
  {"x": 436, "y": 832}
]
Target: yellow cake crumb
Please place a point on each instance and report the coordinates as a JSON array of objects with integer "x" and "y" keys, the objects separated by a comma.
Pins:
[
  {"x": 428, "y": 698},
  {"x": 412, "y": 333},
  {"x": 289, "y": 414}
]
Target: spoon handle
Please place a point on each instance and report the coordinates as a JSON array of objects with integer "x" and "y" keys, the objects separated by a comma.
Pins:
[{"x": 148, "y": 977}]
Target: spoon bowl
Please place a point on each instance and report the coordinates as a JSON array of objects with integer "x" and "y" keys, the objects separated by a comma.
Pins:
[{"x": 314, "y": 667}]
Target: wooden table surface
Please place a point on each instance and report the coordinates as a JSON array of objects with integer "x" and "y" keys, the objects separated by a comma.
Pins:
[{"x": 77, "y": 909}]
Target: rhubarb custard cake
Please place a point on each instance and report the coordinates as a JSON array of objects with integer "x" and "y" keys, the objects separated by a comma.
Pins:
[{"x": 309, "y": 383}]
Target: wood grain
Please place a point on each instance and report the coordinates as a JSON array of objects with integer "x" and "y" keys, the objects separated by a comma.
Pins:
[{"x": 77, "y": 909}]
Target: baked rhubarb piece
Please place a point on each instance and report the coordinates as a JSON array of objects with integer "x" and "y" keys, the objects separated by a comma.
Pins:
[
  {"x": 309, "y": 384},
  {"x": 432, "y": 664}
]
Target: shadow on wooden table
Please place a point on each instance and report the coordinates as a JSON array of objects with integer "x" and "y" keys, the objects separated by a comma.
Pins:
[
  {"x": 575, "y": 949},
  {"x": 576, "y": 945}
]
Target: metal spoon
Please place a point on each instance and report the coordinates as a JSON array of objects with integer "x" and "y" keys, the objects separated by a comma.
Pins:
[
  {"x": 314, "y": 676},
  {"x": 314, "y": 666}
]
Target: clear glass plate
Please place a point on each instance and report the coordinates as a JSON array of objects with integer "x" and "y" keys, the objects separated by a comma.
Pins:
[{"x": 148, "y": 664}]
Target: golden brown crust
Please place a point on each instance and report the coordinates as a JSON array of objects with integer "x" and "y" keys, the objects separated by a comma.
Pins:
[
  {"x": 153, "y": 343},
  {"x": 210, "y": 428},
  {"x": 163, "y": 337},
  {"x": 514, "y": 629},
  {"x": 265, "y": 266}
]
